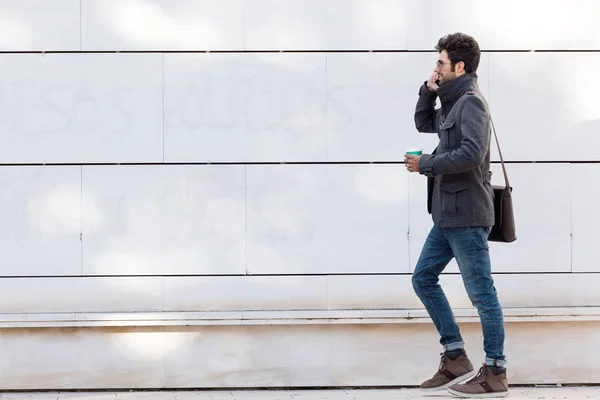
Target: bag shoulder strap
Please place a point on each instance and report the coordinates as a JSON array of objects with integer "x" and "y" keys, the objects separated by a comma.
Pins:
[{"x": 476, "y": 92}]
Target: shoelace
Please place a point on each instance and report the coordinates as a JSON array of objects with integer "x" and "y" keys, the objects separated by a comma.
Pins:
[
  {"x": 480, "y": 377},
  {"x": 443, "y": 363}
]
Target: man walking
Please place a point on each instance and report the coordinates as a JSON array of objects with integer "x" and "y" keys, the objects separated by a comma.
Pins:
[{"x": 460, "y": 199}]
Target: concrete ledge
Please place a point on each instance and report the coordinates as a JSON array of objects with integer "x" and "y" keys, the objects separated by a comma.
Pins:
[
  {"x": 287, "y": 317},
  {"x": 261, "y": 356}
]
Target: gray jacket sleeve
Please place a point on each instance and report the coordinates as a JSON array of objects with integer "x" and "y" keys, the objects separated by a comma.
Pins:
[
  {"x": 426, "y": 116},
  {"x": 475, "y": 132}
]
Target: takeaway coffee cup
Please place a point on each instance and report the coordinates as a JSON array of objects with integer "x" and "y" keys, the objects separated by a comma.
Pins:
[{"x": 414, "y": 151}]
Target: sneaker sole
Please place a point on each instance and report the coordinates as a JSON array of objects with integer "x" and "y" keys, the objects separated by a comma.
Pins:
[
  {"x": 478, "y": 395},
  {"x": 445, "y": 386}
]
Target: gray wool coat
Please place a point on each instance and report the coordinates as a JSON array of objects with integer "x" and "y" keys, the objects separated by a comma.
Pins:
[{"x": 460, "y": 192}]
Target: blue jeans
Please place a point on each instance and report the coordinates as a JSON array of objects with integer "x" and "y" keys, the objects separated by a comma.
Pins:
[{"x": 470, "y": 247}]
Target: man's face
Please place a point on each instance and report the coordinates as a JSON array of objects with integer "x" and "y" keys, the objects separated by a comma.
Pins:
[{"x": 446, "y": 72}]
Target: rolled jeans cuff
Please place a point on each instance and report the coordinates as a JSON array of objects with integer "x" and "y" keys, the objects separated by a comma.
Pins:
[
  {"x": 494, "y": 362},
  {"x": 454, "y": 346}
]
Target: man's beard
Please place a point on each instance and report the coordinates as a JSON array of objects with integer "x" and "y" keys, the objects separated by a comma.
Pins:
[{"x": 446, "y": 78}]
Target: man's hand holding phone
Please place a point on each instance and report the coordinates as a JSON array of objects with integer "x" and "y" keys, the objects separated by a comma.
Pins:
[{"x": 432, "y": 84}]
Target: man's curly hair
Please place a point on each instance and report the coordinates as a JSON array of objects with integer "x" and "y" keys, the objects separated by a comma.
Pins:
[{"x": 460, "y": 47}]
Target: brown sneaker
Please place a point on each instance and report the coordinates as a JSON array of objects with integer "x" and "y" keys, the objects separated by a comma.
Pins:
[
  {"x": 484, "y": 384},
  {"x": 450, "y": 372}
]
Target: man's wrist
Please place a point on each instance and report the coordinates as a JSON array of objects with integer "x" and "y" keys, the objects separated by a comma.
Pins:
[
  {"x": 426, "y": 91},
  {"x": 426, "y": 165}
]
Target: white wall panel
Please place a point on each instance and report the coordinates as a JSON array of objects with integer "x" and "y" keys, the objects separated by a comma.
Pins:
[
  {"x": 544, "y": 106},
  {"x": 371, "y": 99},
  {"x": 585, "y": 216},
  {"x": 584, "y": 31},
  {"x": 280, "y": 356},
  {"x": 369, "y": 356},
  {"x": 326, "y": 25},
  {"x": 163, "y": 220},
  {"x": 506, "y": 25},
  {"x": 81, "y": 294},
  {"x": 67, "y": 358},
  {"x": 327, "y": 219},
  {"x": 162, "y": 24},
  {"x": 245, "y": 293},
  {"x": 245, "y": 107},
  {"x": 272, "y": 107},
  {"x": 514, "y": 290},
  {"x": 266, "y": 293},
  {"x": 541, "y": 198},
  {"x": 248, "y": 356},
  {"x": 34, "y": 25},
  {"x": 41, "y": 221},
  {"x": 355, "y": 292},
  {"x": 72, "y": 108}
]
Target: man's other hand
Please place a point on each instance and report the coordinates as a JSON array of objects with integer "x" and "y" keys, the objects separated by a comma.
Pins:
[{"x": 412, "y": 162}]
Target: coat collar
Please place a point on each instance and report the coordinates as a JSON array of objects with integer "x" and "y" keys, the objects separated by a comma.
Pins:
[{"x": 450, "y": 92}]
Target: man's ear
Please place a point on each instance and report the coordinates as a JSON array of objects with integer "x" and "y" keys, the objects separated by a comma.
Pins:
[{"x": 461, "y": 66}]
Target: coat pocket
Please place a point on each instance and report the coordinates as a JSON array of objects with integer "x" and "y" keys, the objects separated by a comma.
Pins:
[
  {"x": 454, "y": 197},
  {"x": 448, "y": 134}
]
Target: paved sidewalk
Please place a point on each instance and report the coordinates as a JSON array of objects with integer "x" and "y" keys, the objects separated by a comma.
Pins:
[{"x": 546, "y": 393}]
